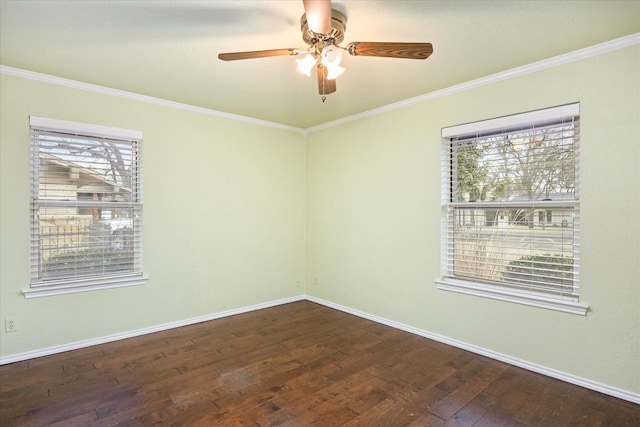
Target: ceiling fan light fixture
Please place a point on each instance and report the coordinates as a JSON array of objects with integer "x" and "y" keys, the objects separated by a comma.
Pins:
[
  {"x": 331, "y": 57},
  {"x": 305, "y": 65},
  {"x": 334, "y": 70},
  {"x": 331, "y": 54}
]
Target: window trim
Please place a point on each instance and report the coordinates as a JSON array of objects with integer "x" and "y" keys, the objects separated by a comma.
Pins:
[
  {"x": 486, "y": 290},
  {"x": 537, "y": 117},
  {"x": 84, "y": 128},
  {"x": 93, "y": 284},
  {"x": 512, "y": 295},
  {"x": 38, "y": 288}
]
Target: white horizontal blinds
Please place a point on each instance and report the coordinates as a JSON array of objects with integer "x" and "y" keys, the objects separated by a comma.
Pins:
[
  {"x": 513, "y": 213},
  {"x": 86, "y": 202}
]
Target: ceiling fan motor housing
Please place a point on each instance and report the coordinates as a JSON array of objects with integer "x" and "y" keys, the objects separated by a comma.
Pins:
[{"x": 336, "y": 36}]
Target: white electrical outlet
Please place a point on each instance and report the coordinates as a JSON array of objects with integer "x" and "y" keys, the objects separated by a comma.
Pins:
[{"x": 10, "y": 325}]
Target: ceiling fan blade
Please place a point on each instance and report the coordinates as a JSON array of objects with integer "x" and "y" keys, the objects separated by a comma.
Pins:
[
  {"x": 391, "y": 50},
  {"x": 325, "y": 86},
  {"x": 233, "y": 56},
  {"x": 318, "y": 14}
]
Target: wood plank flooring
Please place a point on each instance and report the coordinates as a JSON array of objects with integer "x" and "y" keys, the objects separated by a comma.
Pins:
[{"x": 299, "y": 364}]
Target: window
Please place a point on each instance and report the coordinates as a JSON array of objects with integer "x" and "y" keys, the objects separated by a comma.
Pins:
[
  {"x": 86, "y": 207},
  {"x": 511, "y": 219}
]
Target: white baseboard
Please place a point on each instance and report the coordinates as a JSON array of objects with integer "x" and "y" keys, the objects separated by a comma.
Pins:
[
  {"x": 563, "y": 376},
  {"x": 592, "y": 385},
  {"x": 138, "y": 332}
]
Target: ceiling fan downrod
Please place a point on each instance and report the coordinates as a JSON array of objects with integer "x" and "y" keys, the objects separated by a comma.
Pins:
[{"x": 334, "y": 36}]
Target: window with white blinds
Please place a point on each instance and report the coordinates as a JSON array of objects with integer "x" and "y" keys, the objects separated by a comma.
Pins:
[
  {"x": 511, "y": 224},
  {"x": 86, "y": 207}
]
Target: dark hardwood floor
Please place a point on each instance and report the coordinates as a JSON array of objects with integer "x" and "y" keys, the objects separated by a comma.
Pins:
[{"x": 298, "y": 364}]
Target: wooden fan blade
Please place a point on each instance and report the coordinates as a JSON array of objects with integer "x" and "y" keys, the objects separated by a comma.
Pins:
[
  {"x": 318, "y": 14},
  {"x": 233, "y": 56},
  {"x": 325, "y": 86},
  {"x": 391, "y": 50}
]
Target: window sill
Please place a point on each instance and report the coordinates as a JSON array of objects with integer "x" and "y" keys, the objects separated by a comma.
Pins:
[
  {"x": 71, "y": 287},
  {"x": 511, "y": 295}
]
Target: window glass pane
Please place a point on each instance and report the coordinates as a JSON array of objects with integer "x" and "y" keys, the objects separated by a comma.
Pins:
[
  {"x": 534, "y": 164},
  {"x": 73, "y": 167},
  {"x": 514, "y": 247}
]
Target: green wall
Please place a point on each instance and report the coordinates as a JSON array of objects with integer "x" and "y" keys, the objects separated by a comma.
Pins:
[
  {"x": 238, "y": 214},
  {"x": 374, "y": 209},
  {"x": 224, "y": 220}
]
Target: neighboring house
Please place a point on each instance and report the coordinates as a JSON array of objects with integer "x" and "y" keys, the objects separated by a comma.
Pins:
[
  {"x": 67, "y": 228},
  {"x": 502, "y": 217}
]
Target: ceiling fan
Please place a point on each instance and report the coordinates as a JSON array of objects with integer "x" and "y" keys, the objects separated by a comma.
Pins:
[{"x": 323, "y": 30}]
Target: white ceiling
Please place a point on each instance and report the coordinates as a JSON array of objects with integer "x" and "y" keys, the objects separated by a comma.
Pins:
[{"x": 168, "y": 49}]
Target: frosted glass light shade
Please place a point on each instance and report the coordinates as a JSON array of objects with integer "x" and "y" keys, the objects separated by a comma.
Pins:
[
  {"x": 306, "y": 64},
  {"x": 334, "y": 70}
]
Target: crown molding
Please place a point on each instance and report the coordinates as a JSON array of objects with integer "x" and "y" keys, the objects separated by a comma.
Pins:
[
  {"x": 577, "y": 55},
  {"x": 46, "y": 78}
]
